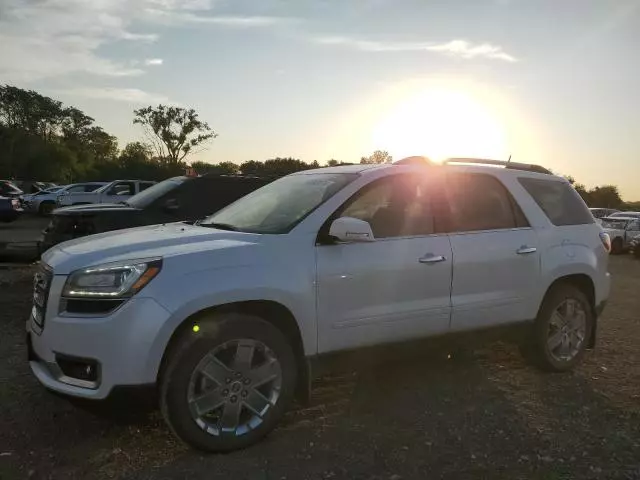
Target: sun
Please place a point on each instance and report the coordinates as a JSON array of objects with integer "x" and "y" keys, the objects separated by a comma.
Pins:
[{"x": 439, "y": 123}]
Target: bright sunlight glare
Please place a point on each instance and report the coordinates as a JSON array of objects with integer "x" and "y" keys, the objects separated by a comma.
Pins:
[{"x": 440, "y": 123}]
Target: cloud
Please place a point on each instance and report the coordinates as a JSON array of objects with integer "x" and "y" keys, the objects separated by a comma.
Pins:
[
  {"x": 129, "y": 95},
  {"x": 458, "y": 48},
  {"x": 51, "y": 38},
  {"x": 167, "y": 17},
  {"x": 153, "y": 61},
  {"x": 464, "y": 49}
]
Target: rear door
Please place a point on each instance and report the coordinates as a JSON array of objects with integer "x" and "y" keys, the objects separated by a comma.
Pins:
[{"x": 496, "y": 262}]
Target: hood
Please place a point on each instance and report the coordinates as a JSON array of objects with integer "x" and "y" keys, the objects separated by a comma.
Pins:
[
  {"x": 94, "y": 208},
  {"x": 166, "y": 241}
]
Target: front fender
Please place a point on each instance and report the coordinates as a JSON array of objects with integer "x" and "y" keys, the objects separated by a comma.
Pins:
[{"x": 206, "y": 289}]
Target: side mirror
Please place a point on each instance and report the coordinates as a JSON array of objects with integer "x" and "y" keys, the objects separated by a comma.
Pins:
[
  {"x": 349, "y": 229},
  {"x": 170, "y": 205}
]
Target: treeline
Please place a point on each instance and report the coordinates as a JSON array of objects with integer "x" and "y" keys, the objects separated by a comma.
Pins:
[{"x": 42, "y": 139}]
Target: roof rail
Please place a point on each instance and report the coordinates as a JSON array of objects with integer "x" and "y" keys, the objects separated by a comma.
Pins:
[{"x": 527, "y": 167}]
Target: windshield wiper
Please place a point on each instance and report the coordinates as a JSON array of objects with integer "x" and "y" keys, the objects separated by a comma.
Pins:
[{"x": 219, "y": 226}]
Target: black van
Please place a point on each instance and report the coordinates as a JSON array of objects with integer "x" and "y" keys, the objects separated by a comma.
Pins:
[{"x": 175, "y": 199}]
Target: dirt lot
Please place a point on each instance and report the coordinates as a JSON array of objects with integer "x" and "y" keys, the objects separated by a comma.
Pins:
[{"x": 485, "y": 415}]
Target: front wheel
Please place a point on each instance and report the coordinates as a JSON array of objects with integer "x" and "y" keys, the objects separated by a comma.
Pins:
[
  {"x": 561, "y": 330},
  {"x": 228, "y": 385}
]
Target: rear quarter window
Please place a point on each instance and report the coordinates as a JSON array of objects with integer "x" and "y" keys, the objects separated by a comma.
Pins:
[{"x": 559, "y": 201}]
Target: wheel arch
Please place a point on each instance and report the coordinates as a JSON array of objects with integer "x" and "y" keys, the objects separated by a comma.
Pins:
[
  {"x": 271, "y": 311},
  {"x": 586, "y": 285}
]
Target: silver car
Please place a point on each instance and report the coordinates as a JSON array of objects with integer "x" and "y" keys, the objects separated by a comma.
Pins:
[{"x": 621, "y": 230}]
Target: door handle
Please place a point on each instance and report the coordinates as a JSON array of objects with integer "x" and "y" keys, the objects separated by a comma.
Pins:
[
  {"x": 524, "y": 250},
  {"x": 432, "y": 258}
]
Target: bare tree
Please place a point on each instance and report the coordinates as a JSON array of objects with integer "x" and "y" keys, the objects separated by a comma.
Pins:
[{"x": 174, "y": 132}]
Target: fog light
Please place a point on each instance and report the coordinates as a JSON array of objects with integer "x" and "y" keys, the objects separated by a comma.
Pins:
[{"x": 78, "y": 368}]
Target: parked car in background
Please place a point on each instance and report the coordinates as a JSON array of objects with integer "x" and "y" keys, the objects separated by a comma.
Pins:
[
  {"x": 42, "y": 202},
  {"x": 9, "y": 189},
  {"x": 621, "y": 230},
  {"x": 625, "y": 215},
  {"x": 225, "y": 317},
  {"x": 32, "y": 186},
  {"x": 600, "y": 213},
  {"x": 115, "y": 192},
  {"x": 10, "y": 209},
  {"x": 76, "y": 189},
  {"x": 634, "y": 246},
  {"x": 175, "y": 199}
]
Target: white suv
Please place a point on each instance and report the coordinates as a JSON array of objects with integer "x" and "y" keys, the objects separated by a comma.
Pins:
[
  {"x": 223, "y": 316},
  {"x": 115, "y": 192}
]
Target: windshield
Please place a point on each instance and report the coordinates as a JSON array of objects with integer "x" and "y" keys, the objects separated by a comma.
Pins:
[
  {"x": 281, "y": 205},
  {"x": 614, "y": 224},
  {"x": 146, "y": 197}
]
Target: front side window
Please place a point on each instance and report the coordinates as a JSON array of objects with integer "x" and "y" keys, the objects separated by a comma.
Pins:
[
  {"x": 634, "y": 226},
  {"x": 480, "y": 202},
  {"x": 122, "y": 188},
  {"x": 394, "y": 207},
  {"x": 279, "y": 206},
  {"x": 558, "y": 200}
]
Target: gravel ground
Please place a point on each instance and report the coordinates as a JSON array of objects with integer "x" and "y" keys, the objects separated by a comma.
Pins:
[{"x": 397, "y": 416}]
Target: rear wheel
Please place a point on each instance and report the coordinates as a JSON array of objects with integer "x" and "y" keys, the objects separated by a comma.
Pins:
[
  {"x": 616, "y": 246},
  {"x": 561, "y": 330},
  {"x": 228, "y": 385}
]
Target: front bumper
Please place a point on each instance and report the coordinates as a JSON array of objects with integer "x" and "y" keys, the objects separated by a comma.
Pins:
[{"x": 120, "y": 343}]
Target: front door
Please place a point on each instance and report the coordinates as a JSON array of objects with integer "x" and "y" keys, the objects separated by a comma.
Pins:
[
  {"x": 496, "y": 258},
  {"x": 394, "y": 288}
]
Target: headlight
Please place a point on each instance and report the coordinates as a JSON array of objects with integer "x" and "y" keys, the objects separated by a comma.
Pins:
[{"x": 114, "y": 280}]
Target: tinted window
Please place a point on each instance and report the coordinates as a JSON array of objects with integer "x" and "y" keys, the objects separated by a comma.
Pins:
[
  {"x": 145, "y": 185},
  {"x": 77, "y": 189},
  {"x": 91, "y": 188},
  {"x": 394, "y": 207},
  {"x": 122, "y": 188},
  {"x": 558, "y": 200},
  {"x": 481, "y": 202}
]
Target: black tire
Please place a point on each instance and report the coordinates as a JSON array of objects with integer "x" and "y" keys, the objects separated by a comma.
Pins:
[
  {"x": 188, "y": 353},
  {"x": 46, "y": 208},
  {"x": 617, "y": 246},
  {"x": 536, "y": 350}
]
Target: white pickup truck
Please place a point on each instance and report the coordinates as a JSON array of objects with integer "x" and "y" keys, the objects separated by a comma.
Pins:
[{"x": 115, "y": 192}]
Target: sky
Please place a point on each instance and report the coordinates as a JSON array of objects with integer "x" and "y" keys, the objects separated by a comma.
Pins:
[{"x": 552, "y": 82}]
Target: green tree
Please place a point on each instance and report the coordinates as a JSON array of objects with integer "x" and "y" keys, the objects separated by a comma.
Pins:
[
  {"x": 174, "y": 131},
  {"x": 379, "y": 156},
  {"x": 605, "y": 196},
  {"x": 222, "y": 168}
]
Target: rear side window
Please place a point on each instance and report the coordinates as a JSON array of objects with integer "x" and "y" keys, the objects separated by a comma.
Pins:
[
  {"x": 559, "y": 201},
  {"x": 480, "y": 202}
]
